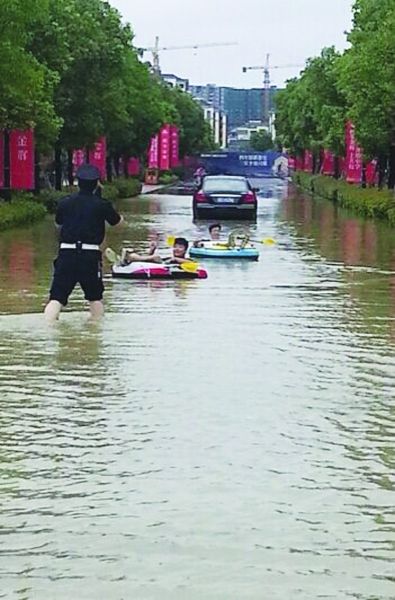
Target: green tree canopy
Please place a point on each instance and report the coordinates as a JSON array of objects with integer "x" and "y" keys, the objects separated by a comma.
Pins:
[
  {"x": 261, "y": 141},
  {"x": 26, "y": 86},
  {"x": 311, "y": 111},
  {"x": 367, "y": 75}
]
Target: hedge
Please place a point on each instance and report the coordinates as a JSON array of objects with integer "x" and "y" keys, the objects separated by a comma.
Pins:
[
  {"x": 370, "y": 202},
  {"x": 20, "y": 212},
  {"x": 167, "y": 178},
  {"x": 26, "y": 208},
  {"x": 127, "y": 187}
]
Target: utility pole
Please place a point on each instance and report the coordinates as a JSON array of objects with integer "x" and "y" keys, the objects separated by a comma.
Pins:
[{"x": 266, "y": 92}]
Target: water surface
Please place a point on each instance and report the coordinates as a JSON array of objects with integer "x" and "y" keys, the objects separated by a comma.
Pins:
[{"x": 221, "y": 439}]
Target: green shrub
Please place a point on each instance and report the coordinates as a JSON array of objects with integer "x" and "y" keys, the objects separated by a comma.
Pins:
[
  {"x": 110, "y": 192},
  {"x": 370, "y": 202},
  {"x": 50, "y": 199},
  {"x": 127, "y": 187},
  {"x": 167, "y": 178},
  {"x": 21, "y": 212},
  {"x": 325, "y": 186},
  {"x": 367, "y": 201}
]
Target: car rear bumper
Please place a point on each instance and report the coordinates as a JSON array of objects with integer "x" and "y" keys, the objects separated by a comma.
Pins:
[{"x": 205, "y": 210}]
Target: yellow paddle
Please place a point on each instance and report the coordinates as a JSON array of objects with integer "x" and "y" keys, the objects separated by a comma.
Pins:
[
  {"x": 170, "y": 240},
  {"x": 267, "y": 241},
  {"x": 112, "y": 256},
  {"x": 189, "y": 267}
]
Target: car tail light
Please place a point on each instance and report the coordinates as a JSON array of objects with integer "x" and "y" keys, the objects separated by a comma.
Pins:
[
  {"x": 201, "y": 197},
  {"x": 249, "y": 197}
]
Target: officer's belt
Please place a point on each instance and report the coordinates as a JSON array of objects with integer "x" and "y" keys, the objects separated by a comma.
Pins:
[{"x": 79, "y": 246}]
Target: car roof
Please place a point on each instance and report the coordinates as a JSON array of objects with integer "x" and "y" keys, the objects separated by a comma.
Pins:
[{"x": 240, "y": 177}]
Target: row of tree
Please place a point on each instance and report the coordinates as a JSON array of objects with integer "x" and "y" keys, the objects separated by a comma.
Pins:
[
  {"x": 357, "y": 85},
  {"x": 69, "y": 69}
]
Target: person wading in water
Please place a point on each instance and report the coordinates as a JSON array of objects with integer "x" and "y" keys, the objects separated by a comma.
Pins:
[{"x": 81, "y": 219}]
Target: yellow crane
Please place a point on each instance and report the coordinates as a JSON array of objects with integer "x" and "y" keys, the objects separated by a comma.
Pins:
[
  {"x": 266, "y": 82},
  {"x": 156, "y": 49}
]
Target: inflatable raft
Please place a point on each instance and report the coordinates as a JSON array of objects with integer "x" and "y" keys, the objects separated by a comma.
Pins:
[
  {"x": 222, "y": 250},
  {"x": 146, "y": 270}
]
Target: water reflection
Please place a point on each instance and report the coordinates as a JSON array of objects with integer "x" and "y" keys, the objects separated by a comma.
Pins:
[{"x": 217, "y": 439}]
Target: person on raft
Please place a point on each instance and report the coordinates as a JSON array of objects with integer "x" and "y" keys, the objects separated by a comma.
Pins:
[
  {"x": 215, "y": 235},
  {"x": 178, "y": 257}
]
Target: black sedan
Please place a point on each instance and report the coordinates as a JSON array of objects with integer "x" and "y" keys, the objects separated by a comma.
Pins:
[{"x": 225, "y": 197}]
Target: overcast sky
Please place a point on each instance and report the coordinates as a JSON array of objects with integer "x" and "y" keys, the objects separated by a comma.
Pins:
[{"x": 290, "y": 30}]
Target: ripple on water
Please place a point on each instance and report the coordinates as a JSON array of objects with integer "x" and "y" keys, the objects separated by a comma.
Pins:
[{"x": 231, "y": 438}]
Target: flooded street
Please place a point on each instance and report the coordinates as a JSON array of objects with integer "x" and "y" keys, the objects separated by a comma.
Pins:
[{"x": 227, "y": 439}]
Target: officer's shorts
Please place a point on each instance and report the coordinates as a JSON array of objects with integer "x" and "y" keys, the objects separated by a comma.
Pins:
[{"x": 72, "y": 267}]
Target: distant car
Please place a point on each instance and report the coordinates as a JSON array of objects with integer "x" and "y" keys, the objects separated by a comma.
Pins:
[{"x": 225, "y": 197}]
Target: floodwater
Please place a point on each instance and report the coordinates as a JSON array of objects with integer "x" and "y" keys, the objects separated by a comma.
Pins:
[{"x": 227, "y": 439}]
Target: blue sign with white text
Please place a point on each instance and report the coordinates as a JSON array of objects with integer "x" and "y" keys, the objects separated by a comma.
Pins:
[{"x": 247, "y": 164}]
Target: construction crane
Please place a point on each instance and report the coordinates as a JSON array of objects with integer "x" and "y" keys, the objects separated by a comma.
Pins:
[
  {"x": 157, "y": 49},
  {"x": 266, "y": 83}
]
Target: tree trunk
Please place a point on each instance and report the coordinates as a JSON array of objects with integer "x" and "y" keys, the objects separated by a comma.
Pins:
[
  {"x": 337, "y": 167},
  {"x": 109, "y": 168},
  {"x": 116, "y": 164},
  {"x": 70, "y": 167},
  {"x": 58, "y": 166},
  {"x": 363, "y": 182},
  {"x": 381, "y": 167},
  {"x": 37, "y": 172},
  {"x": 6, "y": 192},
  {"x": 391, "y": 168},
  {"x": 125, "y": 166}
]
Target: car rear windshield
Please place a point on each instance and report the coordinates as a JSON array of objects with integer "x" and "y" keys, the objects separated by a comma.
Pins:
[{"x": 225, "y": 184}]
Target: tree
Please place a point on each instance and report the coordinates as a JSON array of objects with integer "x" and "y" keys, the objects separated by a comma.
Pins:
[
  {"x": 26, "y": 86},
  {"x": 261, "y": 141},
  {"x": 196, "y": 135},
  {"x": 367, "y": 76},
  {"x": 311, "y": 111}
]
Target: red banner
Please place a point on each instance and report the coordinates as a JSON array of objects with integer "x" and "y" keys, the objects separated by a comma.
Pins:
[
  {"x": 134, "y": 167},
  {"x": 353, "y": 166},
  {"x": 1, "y": 159},
  {"x": 153, "y": 153},
  {"x": 98, "y": 156},
  {"x": 164, "y": 148},
  {"x": 291, "y": 163},
  {"x": 174, "y": 147},
  {"x": 78, "y": 159},
  {"x": 328, "y": 163},
  {"x": 308, "y": 161},
  {"x": 22, "y": 159},
  {"x": 299, "y": 163},
  {"x": 371, "y": 173}
]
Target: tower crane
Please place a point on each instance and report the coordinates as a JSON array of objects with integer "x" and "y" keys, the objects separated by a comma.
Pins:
[
  {"x": 156, "y": 49},
  {"x": 266, "y": 82}
]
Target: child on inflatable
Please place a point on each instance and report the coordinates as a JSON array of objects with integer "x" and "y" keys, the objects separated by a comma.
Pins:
[
  {"x": 178, "y": 257},
  {"x": 215, "y": 235}
]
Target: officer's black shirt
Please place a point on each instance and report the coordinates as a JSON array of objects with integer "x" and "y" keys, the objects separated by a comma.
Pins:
[{"x": 82, "y": 218}]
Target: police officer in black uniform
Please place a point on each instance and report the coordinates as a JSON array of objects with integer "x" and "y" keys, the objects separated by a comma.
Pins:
[{"x": 81, "y": 219}]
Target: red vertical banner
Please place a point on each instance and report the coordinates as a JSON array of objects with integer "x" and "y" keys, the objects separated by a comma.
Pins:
[
  {"x": 174, "y": 147},
  {"x": 133, "y": 167},
  {"x": 291, "y": 163},
  {"x": 153, "y": 153},
  {"x": 308, "y": 161},
  {"x": 22, "y": 159},
  {"x": 328, "y": 163},
  {"x": 1, "y": 159},
  {"x": 98, "y": 156},
  {"x": 78, "y": 159},
  {"x": 164, "y": 148},
  {"x": 371, "y": 173},
  {"x": 299, "y": 163},
  {"x": 353, "y": 166}
]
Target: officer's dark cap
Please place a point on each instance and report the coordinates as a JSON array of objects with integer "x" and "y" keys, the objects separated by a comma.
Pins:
[{"x": 88, "y": 173}]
